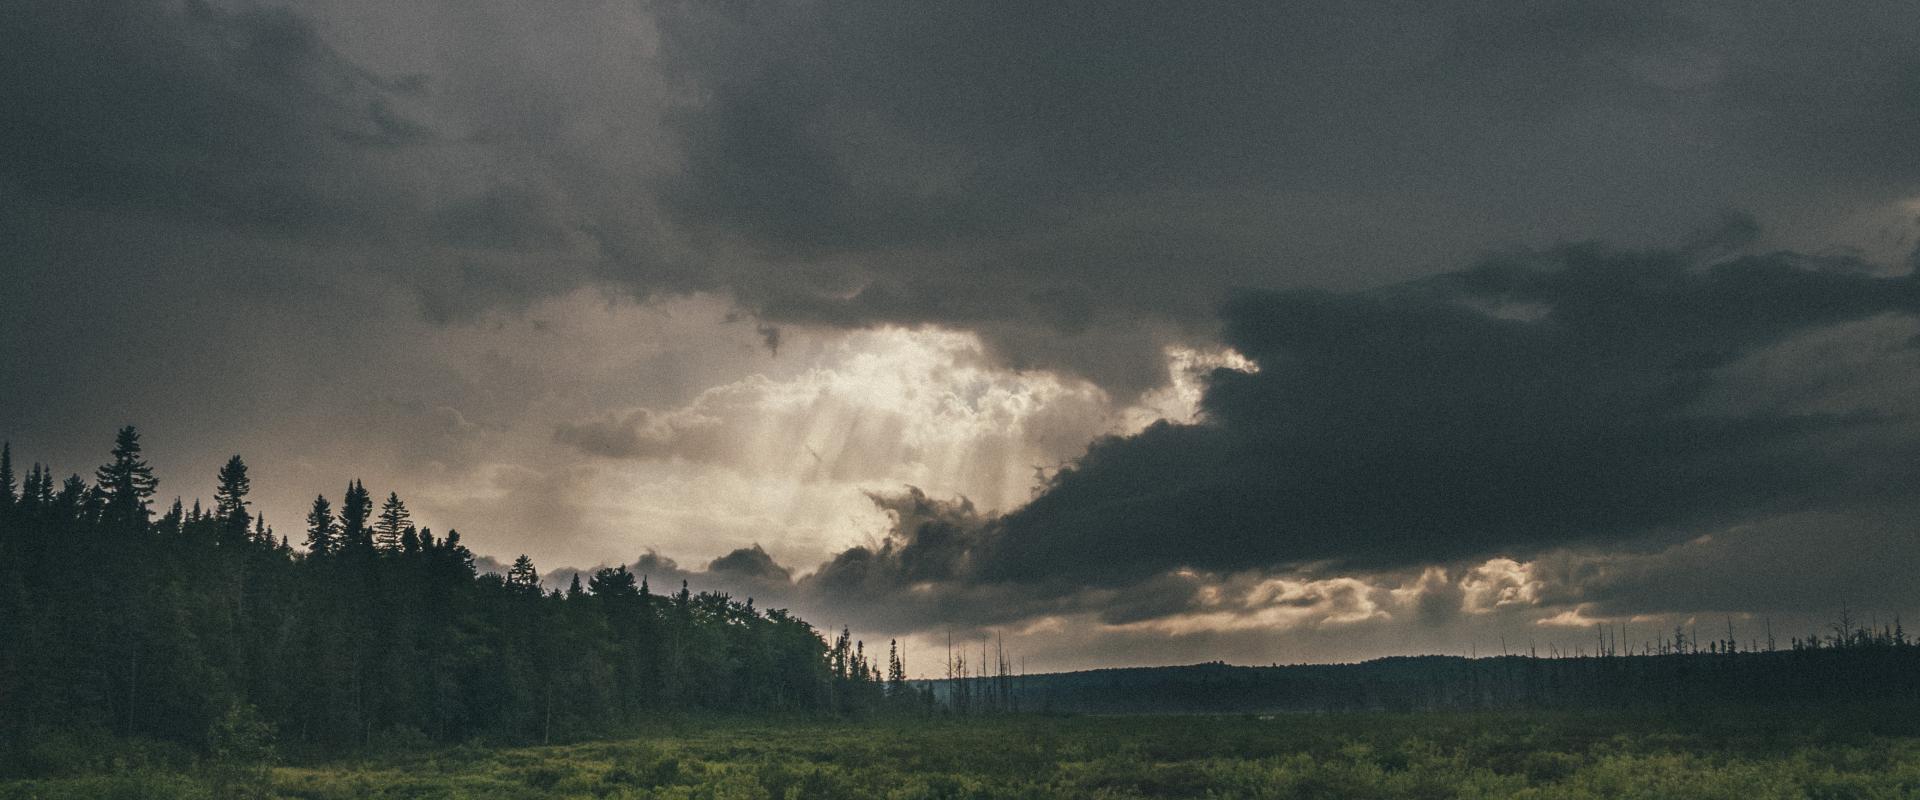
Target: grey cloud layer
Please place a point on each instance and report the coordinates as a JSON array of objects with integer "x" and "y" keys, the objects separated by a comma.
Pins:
[
  {"x": 1080, "y": 182},
  {"x": 1088, "y": 166},
  {"x": 238, "y": 118}
]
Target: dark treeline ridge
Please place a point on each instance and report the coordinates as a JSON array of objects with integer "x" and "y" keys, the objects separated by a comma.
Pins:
[
  {"x": 118, "y": 622},
  {"x": 1864, "y": 668}
]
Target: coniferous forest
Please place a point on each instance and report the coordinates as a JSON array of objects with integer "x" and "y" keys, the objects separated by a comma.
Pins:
[{"x": 123, "y": 620}]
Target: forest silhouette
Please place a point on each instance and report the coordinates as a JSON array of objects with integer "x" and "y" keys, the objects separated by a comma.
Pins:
[{"x": 121, "y": 622}]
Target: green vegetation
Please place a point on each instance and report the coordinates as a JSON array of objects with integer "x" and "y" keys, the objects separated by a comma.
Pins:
[{"x": 1746, "y": 755}]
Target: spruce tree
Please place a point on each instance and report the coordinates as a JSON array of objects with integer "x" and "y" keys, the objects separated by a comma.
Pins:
[
  {"x": 523, "y": 576},
  {"x": 126, "y": 484},
  {"x": 44, "y": 496},
  {"x": 393, "y": 522},
  {"x": 7, "y": 500},
  {"x": 613, "y": 582},
  {"x": 171, "y": 523},
  {"x": 322, "y": 534},
  {"x": 355, "y": 510},
  {"x": 73, "y": 499},
  {"x": 896, "y": 670},
  {"x": 31, "y": 493},
  {"x": 230, "y": 501}
]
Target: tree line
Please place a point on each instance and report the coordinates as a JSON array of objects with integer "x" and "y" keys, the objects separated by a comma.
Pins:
[
  {"x": 118, "y": 622},
  {"x": 1853, "y": 665}
]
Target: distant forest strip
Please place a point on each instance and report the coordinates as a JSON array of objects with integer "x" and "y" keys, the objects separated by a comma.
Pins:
[
  {"x": 1873, "y": 673},
  {"x": 118, "y": 623},
  {"x": 1851, "y": 664}
]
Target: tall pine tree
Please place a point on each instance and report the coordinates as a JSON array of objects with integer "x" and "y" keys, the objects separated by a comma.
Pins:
[
  {"x": 523, "y": 576},
  {"x": 322, "y": 534},
  {"x": 355, "y": 511},
  {"x": 7, "y": 500},
  {"x": 126, "y": 485},
  {"x": 230, "y": 501},
  {"x": 74, "y": 501},
  {"x": 174, "y": 518},
  {"x": 393, "y": 522}
]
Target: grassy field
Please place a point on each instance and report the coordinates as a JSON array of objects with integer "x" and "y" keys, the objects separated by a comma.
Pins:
[{"x": 1743, "y": 756}]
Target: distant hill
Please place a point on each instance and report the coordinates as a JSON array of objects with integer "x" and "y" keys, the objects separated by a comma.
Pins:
[{"x": 1868, "y": 673}]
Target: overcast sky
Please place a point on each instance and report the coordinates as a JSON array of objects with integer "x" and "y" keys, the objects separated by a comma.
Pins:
[{"x": 1135, "y": 334}]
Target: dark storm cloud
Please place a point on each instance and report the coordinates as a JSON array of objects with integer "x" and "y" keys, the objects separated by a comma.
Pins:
[
  {"x": 1533, "y": 401},
  {"x": 751, "y": 563},
  {"x": 233, "y": 118},
  {"x": 1077, "y": 182},
  {"x": 236, "y": 147},
  {"x": 1793, "y": 563},
  {"x": 1070, "y": 166}
]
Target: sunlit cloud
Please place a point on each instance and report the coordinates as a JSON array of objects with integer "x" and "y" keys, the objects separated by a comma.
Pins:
[
  {"x": 795, "y": 455},
  {"x": 1497, "y": 583}
]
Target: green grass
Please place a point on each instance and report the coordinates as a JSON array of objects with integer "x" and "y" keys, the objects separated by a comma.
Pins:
[{"x": 1523, "y": 755}]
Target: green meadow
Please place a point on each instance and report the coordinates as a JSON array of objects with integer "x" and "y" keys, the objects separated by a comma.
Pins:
[{"x": 1748, "y": 756}]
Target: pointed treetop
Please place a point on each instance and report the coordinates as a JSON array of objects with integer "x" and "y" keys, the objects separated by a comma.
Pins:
[
  {"x": 355, "y": 510},
  {"x": 523, "y": 576},
  {"x": 30, "y": 488},
  {"x": 73, "y": 498},
  {"x": 6, "y": 475},
  {"x": 174, "y": 518},
  {"x": 322, "y": 534},
  {"x": 126, "y": 483},
  {"x": 230, "y": 499},
  {"x": 611, "y": 582},
  {"x": 393, "y": 522}
]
